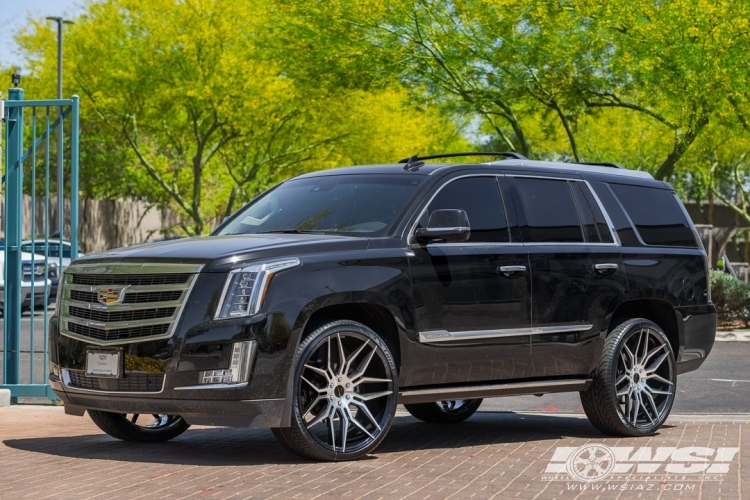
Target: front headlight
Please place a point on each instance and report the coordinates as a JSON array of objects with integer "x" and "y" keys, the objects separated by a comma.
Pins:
[
  {"x": 246, "y": 288},
  {"x": 52, "y": 270}
]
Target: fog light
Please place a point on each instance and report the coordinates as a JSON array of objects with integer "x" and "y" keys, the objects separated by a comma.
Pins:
[{"x": 239, "y": 366}]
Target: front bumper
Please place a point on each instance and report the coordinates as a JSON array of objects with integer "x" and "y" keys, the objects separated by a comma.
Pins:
[
  {"x": 258, "y": 403},
  {"x": 228, "y": 413}
]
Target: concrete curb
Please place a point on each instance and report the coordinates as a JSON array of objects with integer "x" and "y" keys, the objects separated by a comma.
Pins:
[{"x": 4, "y": 398}]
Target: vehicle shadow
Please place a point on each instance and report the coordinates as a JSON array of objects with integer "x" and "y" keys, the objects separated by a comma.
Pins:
[{"x": 232, "y": 446}]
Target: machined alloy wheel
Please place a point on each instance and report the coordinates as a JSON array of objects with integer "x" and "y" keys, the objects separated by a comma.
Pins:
[
  {"x": 142, "y": 428},
  {"x": 345, "y": 393},
  {"x": 635, "y": 383},
  {"x": 444, "y": 412}
]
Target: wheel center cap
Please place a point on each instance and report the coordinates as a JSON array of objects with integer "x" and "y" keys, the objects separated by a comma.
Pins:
[
  {"x": 636, "y": 378},
  {"x": 339, "y": 391}
]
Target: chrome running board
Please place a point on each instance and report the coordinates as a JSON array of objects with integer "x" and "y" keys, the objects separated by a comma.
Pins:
[{"x": 432, "y": 394}]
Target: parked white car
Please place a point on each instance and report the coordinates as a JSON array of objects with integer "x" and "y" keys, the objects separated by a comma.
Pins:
[
  {"x": 55, "y": 249},
  {"x": 33, "y": 277}
]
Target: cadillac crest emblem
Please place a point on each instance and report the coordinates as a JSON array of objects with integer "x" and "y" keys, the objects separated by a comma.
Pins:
[{"x": 112, "y": 295}]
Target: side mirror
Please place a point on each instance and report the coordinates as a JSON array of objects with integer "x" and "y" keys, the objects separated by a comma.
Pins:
[{"x": 448, "y": 225}]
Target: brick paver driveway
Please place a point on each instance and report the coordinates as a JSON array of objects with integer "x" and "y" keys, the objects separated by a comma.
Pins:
[{"x": 493, "y": 455}]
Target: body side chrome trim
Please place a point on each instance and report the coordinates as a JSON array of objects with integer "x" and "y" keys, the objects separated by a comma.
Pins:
[{"x": 434, "y": 336}]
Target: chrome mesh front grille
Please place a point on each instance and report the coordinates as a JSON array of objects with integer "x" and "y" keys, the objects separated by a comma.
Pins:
[
  {"x": 121, "y": 303},
  {"x": 118, "y": 334},
  {"x": 132, "y": 315},
  {"x": 131, "y": 298},
  {"x": 130, "y": 279},
  {"x": 132, "y": 382}
]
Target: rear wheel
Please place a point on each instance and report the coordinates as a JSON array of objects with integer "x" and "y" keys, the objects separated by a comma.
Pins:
[
  {"x": 345, "y": 392},
  {"x": 444, "y": 412},
  {"x": 151, "y": 428},
  {"x": 635, "y": 383}
]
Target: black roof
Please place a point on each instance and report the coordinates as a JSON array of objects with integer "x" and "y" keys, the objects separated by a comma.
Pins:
[{"x": 431, "y": 168}]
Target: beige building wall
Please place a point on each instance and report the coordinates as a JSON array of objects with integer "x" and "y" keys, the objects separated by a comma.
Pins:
[{"x": 103, "y": 224}]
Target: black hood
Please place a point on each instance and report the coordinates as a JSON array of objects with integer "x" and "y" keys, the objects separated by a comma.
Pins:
[{"x": 219, "y": 253}]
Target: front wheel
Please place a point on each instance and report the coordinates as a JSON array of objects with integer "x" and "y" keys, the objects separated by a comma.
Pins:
[
  {"x": 139, "y": 428},
  {"x": 634, "y": 384},
  {"x": 444, "y": 412},
  {"x": 345, "y": 393}
]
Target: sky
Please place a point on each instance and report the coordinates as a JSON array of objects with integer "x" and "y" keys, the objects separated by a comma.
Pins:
[{"x": 14, "y": 15}]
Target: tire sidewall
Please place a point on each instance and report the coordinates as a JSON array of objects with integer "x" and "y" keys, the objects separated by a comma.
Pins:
[{"x": 310, "y": 344}]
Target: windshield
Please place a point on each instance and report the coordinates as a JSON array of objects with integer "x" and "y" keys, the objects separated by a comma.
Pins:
[{"x": 353, "y": 205}]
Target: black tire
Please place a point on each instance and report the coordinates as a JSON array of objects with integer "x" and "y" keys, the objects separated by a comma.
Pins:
[
  {"x": 444, "y": 412},
  {"x": 343, "y": 388},
  {"x": 623, "y": 414},
  {"x": 119, "y": 426}
]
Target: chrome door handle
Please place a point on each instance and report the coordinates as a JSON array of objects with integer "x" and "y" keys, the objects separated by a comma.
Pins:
[
  {"x": 510, "y": 270},
  {"x": 605, "y": 268}
]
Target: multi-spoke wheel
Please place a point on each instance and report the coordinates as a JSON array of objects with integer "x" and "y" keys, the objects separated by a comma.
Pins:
[
  {"x": 444, "y": 412},
  {"x": 634, "y": 384},
  {"x": 345, "y": 393},
  {"x": 142, "y": 428}
]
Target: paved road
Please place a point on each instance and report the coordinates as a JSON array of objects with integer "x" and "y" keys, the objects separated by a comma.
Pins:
[
  {"x": 46, "y": 454},
  {"x": 721, "y": 385}
]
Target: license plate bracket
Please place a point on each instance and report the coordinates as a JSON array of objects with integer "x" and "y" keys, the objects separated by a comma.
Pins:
[{"x": 104, "y": 363}]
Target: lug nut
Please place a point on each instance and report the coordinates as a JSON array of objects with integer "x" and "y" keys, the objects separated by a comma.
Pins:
[{"x": 348, "y": 385}]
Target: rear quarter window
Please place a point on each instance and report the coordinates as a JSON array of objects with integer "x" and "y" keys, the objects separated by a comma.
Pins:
[{"x": 656, "y": 215}]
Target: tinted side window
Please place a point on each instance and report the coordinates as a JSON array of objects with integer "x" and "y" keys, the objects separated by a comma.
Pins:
[
  {"x": 656, "y": 215},
  {"x": 480, "y": 198},
  {"x": 601, "y": 222},
  {"x": 551, "y": 214},
  {"x": 590, "y": 231}
]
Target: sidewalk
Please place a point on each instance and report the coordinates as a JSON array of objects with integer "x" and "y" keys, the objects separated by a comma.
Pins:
[
  {"x": 739, "y": 335},
  {"x": 46, "y": 454}
]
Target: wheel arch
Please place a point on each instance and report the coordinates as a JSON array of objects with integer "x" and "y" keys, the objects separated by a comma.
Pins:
[
  {"x": 372, "y": 310},
  {"x": 374, "y": 316},
  {"x": 660, "y": 312}
]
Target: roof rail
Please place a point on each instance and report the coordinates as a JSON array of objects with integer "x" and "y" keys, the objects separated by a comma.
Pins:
[
  {"x": 414, "y": 162},
  {"x": 600, "y": 164}
]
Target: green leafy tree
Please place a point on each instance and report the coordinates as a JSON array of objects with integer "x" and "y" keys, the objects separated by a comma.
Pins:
[
  {"x": 184, "y": 106},
  {"x": 526, "y": 66}
]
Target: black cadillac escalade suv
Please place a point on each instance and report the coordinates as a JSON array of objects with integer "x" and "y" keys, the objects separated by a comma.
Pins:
[{"x": 331, "y": 298}]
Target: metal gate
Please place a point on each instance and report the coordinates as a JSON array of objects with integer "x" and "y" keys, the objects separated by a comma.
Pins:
[{"x": 33, "y": 259}]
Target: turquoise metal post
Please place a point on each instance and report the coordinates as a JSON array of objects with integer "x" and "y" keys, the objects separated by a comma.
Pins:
[
  {"x": 33, "y": 245},
  {"x": 14, "y": 273},
  {"x": 74, "y": 115},
  {"x": 46, "y": 242}
]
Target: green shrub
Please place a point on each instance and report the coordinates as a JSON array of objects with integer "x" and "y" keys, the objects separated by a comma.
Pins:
[{"x": 731, "y": 298}]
